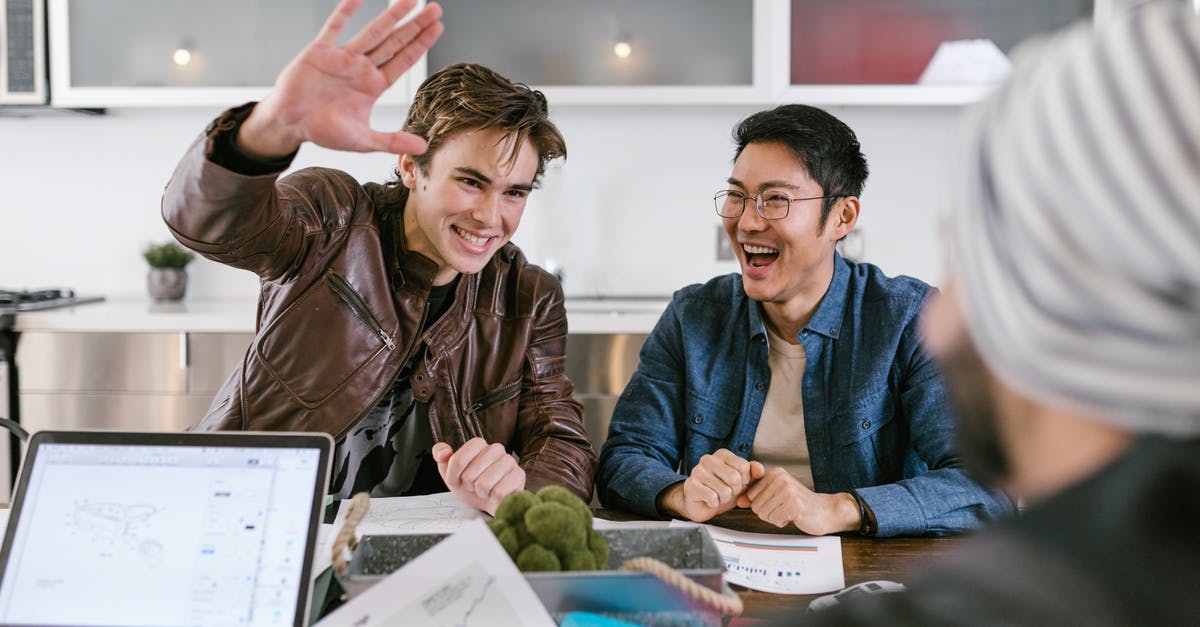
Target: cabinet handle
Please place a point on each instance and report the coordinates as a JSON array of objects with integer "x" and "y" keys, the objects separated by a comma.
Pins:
[{"x": 184, "y": 357}]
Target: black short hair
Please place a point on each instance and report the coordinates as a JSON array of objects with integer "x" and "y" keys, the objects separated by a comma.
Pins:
[{"x": 823, "y": 145}]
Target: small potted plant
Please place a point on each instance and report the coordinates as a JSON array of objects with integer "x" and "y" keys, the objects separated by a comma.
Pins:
[{"x": 167, "y": 280}]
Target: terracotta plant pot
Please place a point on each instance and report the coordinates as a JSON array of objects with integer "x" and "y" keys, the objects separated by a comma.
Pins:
[{"x": 166, "y": 284}]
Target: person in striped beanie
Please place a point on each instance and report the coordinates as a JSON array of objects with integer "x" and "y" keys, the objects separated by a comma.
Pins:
[{"x": 1069, "y": 331}]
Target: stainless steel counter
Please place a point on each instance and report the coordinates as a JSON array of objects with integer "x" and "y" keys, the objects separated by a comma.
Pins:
[
  {"x": 165, "y": 380},
  {"x": 600, "y": 365},
  {"x": 584, "y": 315}
]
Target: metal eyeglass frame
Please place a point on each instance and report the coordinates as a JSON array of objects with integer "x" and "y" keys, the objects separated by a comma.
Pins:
[{"x": 720, "y": 197}]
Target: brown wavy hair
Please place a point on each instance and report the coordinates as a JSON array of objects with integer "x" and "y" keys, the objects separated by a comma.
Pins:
[{"x": 468, "y": 97}]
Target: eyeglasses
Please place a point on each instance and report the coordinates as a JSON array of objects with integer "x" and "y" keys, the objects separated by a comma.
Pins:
[{"x": 771, "y": 204}]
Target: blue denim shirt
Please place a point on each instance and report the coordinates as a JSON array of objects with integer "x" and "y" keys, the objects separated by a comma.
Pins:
[{"x": 875, "y": 409}]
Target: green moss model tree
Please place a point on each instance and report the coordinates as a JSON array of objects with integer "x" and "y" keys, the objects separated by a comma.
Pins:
[
  {"x": 548, "y": 531},
  {"x": 167, "y": 255}
]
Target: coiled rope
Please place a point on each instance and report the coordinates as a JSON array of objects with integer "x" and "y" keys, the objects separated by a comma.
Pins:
[
  {"x": 345, "y": 541},
  {"x": 728, "y": 604}
]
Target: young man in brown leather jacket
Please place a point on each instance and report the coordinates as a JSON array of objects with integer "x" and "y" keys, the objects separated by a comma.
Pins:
[{"x": 395, "y": 317}]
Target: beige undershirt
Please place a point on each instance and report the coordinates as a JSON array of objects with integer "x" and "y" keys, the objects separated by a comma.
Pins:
[{"x": 780, "y": 439}]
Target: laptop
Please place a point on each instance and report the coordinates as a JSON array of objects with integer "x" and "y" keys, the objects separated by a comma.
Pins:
[{"x": 165, "y": 529}]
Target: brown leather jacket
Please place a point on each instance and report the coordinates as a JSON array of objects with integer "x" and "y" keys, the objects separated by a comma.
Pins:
[{"x": 341, "y": 304}]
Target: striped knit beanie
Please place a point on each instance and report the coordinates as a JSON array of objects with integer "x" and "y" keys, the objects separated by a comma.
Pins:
[{"x": 1076, "y": 239}]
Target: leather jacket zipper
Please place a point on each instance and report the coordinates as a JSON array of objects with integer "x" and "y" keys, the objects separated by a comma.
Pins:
[
  {"x": 421, "y": 332},
  {"x": 356, "y": 303},
  {"x": 492, "y": 398}
]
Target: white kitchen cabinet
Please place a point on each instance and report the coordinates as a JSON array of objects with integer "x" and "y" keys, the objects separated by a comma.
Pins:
[
  {"x": 122, "y": 53},
  {"x": 618, "y": 52}
]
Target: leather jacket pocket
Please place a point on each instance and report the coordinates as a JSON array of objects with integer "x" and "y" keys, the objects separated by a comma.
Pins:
[
  {"x": 330, "y": 313},
  {"x": 492, "y": 398},
  {"x": 225, "y": 412},
  {"x": 493, "y": 413},
  {"x": 219, "y": 417}
]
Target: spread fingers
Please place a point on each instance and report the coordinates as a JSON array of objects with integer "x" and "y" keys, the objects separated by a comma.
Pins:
[
  {"x": 379, "y": 28},
  {"x": 336, "y": 22},
  {"x": 406, "y": 35},
  {"x": 402, "y": 60}
]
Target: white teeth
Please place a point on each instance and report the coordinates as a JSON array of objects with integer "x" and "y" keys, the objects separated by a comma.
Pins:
[
  {"x": 478, "y": 241},
  {"x": 758, "y": 250}
]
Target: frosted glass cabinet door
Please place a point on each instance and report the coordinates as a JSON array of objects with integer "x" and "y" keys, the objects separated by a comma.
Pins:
[
  {"x": 582, "y": 48},
  {"x": 937, "y": 44},
  {"x": 153, "y": 52}
]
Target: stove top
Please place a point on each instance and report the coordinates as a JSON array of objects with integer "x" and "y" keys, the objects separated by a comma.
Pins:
[{"x": 15, "y": 301}]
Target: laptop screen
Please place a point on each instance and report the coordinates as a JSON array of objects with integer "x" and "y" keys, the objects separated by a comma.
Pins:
[{"x": 164, "y": 529}]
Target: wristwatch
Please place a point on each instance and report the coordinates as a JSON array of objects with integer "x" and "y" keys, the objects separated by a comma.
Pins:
[{"x": 868, "y": 526}]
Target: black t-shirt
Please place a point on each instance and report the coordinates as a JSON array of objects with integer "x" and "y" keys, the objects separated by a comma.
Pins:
[{"x": 387, "y": 452}]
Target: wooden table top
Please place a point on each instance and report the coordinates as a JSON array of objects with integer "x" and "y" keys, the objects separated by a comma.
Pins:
[{"x": 863, "y": 559}]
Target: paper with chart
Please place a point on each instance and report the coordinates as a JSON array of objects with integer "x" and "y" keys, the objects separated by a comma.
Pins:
[
  {"x": 466, "y": 580},
  {"x": 780, "y": 563},
  {"x": 400, "y": 515}
]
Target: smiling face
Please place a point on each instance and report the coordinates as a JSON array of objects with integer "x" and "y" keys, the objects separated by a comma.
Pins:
[
  {"x": 784, "y": 261},
  {"x": 469, "y": 202}
]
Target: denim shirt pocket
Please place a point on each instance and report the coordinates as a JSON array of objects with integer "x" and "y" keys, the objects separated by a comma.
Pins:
[
  {"x": 709, "y": 426},
  {"x": 864, "y": 440}
]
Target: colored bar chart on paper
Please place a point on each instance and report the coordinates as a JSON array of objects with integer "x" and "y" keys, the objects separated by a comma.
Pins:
[{"x": 783, "y": 564}]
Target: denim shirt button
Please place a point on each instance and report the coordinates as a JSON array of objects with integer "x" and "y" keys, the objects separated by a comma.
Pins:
[
  {"x": 697, "y": 420},
  {"x": 866, "y": 424},
  {"x": 760, "y": 385},
  {"x": 743, "y": 447}
]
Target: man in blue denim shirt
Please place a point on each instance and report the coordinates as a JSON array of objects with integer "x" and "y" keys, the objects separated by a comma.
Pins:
[{"x": 797, "y": 388}]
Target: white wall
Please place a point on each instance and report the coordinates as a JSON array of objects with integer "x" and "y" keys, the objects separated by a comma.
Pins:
[{"x": 629, "y": 213}]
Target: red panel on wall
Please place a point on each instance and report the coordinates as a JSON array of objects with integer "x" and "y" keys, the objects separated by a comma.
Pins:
[{"x": 880, "y": 42}]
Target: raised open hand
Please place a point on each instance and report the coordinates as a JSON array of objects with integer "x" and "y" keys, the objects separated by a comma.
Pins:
[{"x": 326, "y": 93}]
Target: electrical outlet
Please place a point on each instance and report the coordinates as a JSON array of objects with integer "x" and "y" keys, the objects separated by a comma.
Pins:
[{"x": 724, "y": 251}]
